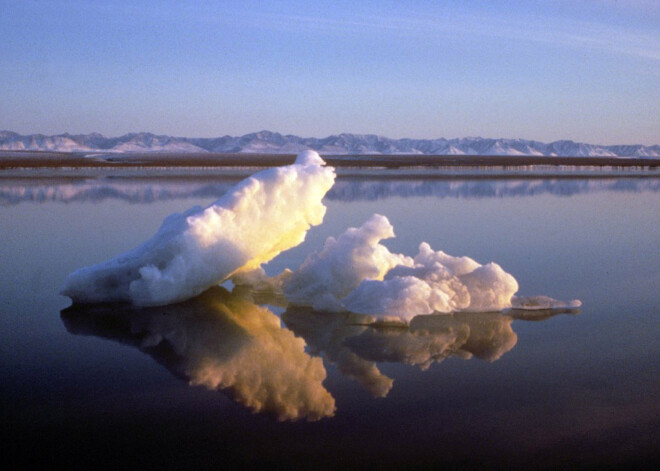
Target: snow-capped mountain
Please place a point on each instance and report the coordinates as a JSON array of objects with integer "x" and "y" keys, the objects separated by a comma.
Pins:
[{"x": 271, "y": 142}]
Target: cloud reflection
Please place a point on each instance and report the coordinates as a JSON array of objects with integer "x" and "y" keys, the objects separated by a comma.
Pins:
[{"x": 220, "y": 341}]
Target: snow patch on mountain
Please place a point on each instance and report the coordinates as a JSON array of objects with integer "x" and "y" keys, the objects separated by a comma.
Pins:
[{"x": 266, "y": 142}]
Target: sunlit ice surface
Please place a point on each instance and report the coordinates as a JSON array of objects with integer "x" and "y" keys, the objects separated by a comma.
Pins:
[
  {"x": 271, "y": 212},
  {"x": 355, "y": 272},
  {"x": 252, "y": 223}
]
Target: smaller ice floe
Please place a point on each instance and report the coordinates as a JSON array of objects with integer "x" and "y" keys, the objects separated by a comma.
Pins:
[
  {"x": 536, "y": 308},
  {"x": 256, "y": 220},
  {"x": 355, "y": 272},
  {"x": 535, "y": 303}
]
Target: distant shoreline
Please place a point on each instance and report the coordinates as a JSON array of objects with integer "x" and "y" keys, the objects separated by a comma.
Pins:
[{"x": 47, "y": 159}]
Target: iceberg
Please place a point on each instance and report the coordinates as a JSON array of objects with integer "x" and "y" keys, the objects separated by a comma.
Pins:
[
  {"x": 260, "y": 217},
  {"x": 271, "y": 212}
]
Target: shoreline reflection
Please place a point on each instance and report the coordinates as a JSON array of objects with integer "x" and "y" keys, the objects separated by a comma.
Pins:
[{"x": 359, "y": 188}]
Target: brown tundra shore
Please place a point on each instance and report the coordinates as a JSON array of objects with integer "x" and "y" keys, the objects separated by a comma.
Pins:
[{"x": 41, "y": 159}]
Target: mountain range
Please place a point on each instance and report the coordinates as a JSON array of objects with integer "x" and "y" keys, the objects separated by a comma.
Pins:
[{"x": 275, "y": 143}]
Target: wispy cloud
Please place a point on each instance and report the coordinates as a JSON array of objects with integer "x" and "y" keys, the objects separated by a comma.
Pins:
[
  {"x": 568, "y": 31},
  {"x": 564, "y": 33}
]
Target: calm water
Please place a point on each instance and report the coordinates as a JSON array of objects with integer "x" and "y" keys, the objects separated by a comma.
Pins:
[{"x": 216, "y": 382}]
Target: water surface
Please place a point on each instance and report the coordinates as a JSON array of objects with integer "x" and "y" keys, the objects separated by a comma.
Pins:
[{"x": 226, "y": 380}]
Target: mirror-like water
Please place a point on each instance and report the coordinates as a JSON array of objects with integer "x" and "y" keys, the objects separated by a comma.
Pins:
[{"x": 236, "y": 379}]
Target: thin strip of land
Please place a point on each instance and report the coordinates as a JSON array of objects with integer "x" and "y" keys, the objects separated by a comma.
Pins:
[{"x": 40, "y": 159}]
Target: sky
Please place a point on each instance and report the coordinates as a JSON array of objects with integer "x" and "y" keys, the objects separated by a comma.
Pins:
[{"x": 585, "y": 70}]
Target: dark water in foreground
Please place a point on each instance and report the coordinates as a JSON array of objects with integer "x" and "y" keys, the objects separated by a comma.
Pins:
[{"x": 182, "y": 386}]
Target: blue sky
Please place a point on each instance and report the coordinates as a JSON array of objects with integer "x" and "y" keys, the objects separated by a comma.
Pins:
[{"x": 545, "y": 70}]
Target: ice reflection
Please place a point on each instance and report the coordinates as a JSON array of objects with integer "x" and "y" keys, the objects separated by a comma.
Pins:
[
  {"x": 325, "y": 333},
  {"x": 224, "y": 341},
  {"x": 221, "y": 341},
  {"x": 356, "y": 347}
]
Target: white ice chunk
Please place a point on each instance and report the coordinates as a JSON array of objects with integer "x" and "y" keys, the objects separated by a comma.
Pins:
[
  {"x": 357, "y": 273},
  {"x": 260, "y": 217},
  {"x": 397, "y": 299},
  {"x": 534, "y": 303},
  {"x": 343, "y": 263},
  {"x": 309, "y": 157},
  {"x": 490, "y": 288}
]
